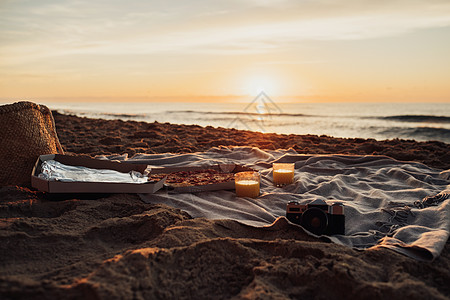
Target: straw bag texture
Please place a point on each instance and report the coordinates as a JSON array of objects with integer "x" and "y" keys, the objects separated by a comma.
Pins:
[{"x": 27, "y": 130}]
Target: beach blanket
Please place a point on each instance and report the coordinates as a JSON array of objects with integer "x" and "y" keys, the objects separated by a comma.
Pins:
[{"x": 388, "y": 203}]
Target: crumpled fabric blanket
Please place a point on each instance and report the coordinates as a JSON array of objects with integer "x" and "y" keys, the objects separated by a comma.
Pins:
[{"x": 384, "y": 199}]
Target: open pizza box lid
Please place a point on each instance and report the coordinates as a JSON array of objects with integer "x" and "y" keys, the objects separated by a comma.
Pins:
[
  {"x": 52, "y": 186},
  {"x": 222, "y": 168}
]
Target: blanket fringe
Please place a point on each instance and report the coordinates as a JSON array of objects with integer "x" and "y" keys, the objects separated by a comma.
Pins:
[{"x": 432, "y": 200}]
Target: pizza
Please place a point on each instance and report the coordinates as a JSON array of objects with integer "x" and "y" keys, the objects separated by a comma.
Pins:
[{"x": 193, "y": 178}]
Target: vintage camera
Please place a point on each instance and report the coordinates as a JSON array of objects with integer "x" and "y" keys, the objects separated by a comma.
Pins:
[{"x": 317, "y": 216}]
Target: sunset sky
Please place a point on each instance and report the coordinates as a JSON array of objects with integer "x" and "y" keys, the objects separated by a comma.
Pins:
[{"x": 67, "y": 50}]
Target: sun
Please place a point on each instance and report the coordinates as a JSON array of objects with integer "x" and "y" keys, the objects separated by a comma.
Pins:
[
  {"x": 258, "y": 84},
  {"x": 255, "y": 83}
]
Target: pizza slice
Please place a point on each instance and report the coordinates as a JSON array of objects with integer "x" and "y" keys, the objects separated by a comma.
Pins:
[{"x": 193, "y": 178}]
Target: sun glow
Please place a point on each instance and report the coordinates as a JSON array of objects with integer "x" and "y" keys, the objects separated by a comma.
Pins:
[
  {"x": 157, "y": 51},
  {"x": 256, "y": 84}
]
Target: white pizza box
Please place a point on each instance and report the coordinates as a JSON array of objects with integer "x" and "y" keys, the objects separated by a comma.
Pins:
[
  {"x": 52, "y": 186},
  {"x": 223, "y": 168}
]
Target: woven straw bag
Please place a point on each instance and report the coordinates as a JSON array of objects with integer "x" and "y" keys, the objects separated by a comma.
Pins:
[{"x": 27, "y": 130}]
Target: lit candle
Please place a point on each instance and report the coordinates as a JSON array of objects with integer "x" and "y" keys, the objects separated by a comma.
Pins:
[
  {"x": 247, "y": 184},
  {"x": 283, "y": 174}
]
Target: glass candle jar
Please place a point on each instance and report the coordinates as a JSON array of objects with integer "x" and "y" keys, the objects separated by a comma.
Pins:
[
  {"x": 283, "y": 173},
  {"x": 247, "y": 184}
]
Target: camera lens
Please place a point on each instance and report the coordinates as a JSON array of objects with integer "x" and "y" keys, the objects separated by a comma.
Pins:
[{"x": 314, "y": 220}]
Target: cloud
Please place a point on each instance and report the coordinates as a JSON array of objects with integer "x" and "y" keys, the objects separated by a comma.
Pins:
[{"x": 35, "y": 30}]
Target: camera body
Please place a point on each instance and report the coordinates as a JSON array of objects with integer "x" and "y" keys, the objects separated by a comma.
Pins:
[{"x": 317, "y": 216}]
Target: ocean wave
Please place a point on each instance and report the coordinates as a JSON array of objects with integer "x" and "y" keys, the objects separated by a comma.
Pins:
[
  {"x": 235, "y": 113},
  {"x": 418, "y": 133},
  {"x": 124, "y": 115},
  {"x": 418, "y": 118},
  {"x": 94, "y": 114}
]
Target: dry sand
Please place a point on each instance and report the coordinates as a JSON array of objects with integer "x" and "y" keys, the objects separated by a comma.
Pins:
[{"x": 116, "y": 246}]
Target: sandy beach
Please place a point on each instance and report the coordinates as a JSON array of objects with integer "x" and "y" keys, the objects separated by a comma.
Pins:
[{"x": 118, "y": 247}]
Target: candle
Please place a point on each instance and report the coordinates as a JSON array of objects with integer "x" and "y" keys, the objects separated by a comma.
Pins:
[
  {"x": 283, "y": 174},
  {"x": 247, "y": 184}
]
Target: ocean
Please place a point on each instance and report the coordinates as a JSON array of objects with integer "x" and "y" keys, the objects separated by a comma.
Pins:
[{"x": 418, "y": 121}]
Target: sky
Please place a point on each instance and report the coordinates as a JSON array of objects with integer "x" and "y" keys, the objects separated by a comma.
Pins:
[{"x": 206, "y": 50}]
